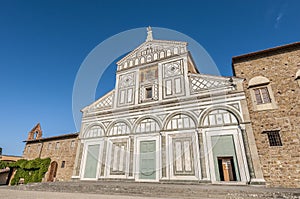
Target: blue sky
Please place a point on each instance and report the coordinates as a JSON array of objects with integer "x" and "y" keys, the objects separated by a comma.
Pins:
[{"x": 43, "y": 43}]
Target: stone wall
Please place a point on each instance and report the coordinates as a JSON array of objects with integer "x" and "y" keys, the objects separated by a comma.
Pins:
[
  {"x": 64, "y": 151},
  {"x": 281, "y": 164}
]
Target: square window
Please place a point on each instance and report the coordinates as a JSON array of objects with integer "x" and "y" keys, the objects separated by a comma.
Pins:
[
  {"x": 57, "y": 145},
  {"x": 274, "y": 138},
  {"x": 262, "y": 95},
  {"x": 63, "y": 163},
  {"x": 149, "y": 93},
  {"x": 72, "y": 143}
]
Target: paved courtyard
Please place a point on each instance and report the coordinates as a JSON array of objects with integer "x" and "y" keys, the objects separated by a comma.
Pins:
[
  {"x": 134, "y": 190},
  {"x": 18, "y": 194}
]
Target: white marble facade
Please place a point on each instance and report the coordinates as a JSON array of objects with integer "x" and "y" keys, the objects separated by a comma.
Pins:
[{"x": 163, "y": 121}]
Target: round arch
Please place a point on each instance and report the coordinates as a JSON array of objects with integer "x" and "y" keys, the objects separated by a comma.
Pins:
[
  {"x": 186, "y": 113},
  {"x": 91, "y": 126},
  {"x": 230, "y": 109},
  {"x": 258, "y": 80},
  {"x": 142, "y": 60},
  {"x": 162, "y": 54},
  {"x": 120, "y": 121},
  {"x": 139, "y": 120},
  {"x": 52, "y": 171}
]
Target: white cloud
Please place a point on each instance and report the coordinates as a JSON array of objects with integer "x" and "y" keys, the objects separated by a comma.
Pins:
[{"x": 278, "y": 19}]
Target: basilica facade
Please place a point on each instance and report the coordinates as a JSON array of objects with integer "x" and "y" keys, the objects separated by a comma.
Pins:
[{"x": 165, "y": 121}]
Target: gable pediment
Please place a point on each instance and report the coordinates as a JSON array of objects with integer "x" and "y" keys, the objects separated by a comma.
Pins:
[
  {"x": 151, "y": 51},
  {"x": 104, "y": 102}
]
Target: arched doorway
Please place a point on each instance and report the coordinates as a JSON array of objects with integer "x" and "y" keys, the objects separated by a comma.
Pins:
[
  {"x": 225, "y": 146},
  {"x": 52, "y": 172}
]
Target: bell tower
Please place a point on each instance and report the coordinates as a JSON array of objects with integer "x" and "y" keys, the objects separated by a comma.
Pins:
[{"x": 35, "y": 133}]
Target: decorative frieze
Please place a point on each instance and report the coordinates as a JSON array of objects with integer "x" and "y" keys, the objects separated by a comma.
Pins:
[{"x": 152, "y": 51}]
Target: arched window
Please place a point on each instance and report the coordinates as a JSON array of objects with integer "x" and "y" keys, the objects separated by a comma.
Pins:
[
  {"x": 219, "y": 117},
  {"x": 125, "y": 65},
  {"x": 162, "y": 54},
  {"x": 149, "y": 58},
  {"x": 182, "y": 50},
  {"x": 169, "y": 53},
  {"x": 175, "y": 51},
  {"x": 142, "y": 60},
  {"x": 95, "y": 131},
  {"x": 180, "y": 121},
  {"x": 120, "y": 128},
  {"x": 136, "y": 61},
  {"x": 147, "y": 126}
]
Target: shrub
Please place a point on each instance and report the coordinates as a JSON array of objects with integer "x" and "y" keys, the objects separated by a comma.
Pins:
[
  {"x": 3, "y": 164},
  {"x": 30, "y": 170}
]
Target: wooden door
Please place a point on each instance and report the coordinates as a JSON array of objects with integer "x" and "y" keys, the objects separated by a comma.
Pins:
[
  {"x": 52, "y": 173},
  {"x": 226, "y": 169}
]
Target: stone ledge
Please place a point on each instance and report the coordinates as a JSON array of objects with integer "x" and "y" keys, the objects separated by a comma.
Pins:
[{"x": 164, "y": 190}]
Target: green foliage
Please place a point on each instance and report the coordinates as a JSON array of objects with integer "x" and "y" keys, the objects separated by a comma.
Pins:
[
  {"x": 18, "y": 164},
  {"x": 3, "y": 164},
  {"x": 30, "y": 170}
]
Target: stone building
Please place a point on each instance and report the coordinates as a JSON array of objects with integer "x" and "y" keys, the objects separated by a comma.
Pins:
[
  {"x": 164, "y": 121},
  {"x": 9, "y": 158},
  {"x": 272, "y": 88},
  {"x": 6, "y": 173},
  {"x": 61, "y": 149}
]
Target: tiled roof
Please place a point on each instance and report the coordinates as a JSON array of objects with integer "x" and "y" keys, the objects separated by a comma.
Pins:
[{"x": 59, "y": 137}]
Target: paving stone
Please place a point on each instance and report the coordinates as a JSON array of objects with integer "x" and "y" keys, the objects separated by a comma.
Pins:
[{"x": 161, "y": 190}]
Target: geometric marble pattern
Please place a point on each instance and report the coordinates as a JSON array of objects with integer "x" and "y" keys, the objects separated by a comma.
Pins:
[
  {"x": 172, "y": 69},
  {"x": 118, "y": 158},
  {"x": 106, "y": 101},
  {"x": 126, "y": 80},
  {"x": 200, "y": 83},
  {"x": 183, "y": 156},
  {"x": 236, "y": 105}
]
